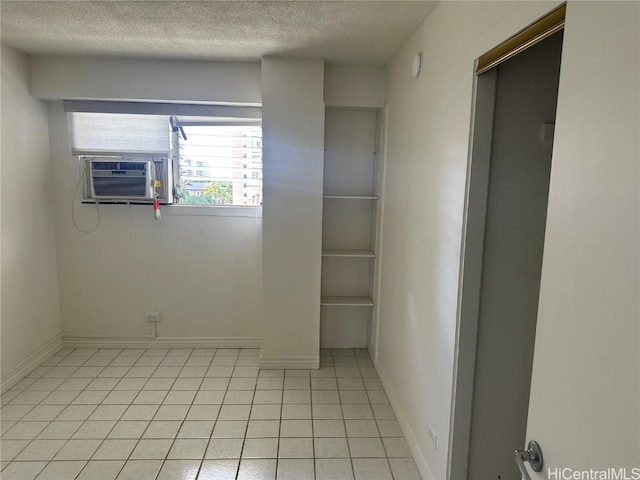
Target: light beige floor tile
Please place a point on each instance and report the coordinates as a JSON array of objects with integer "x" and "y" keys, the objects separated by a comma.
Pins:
[
  {"x": 192, "y": 384},
  {"x": 333, "y": 469},
  {"x": 350, "y": 384},
  {"x": 371, "y": 469},
  {"x": 128, "y": 429},
  {"x": 114, "y": 450},
  {"x": 267, "y": 397},
  {"x": 180, "y": 397},
  {"x": 328, "y": 428},
  {"x": 296, "y": 396},
  {"x": 325, "y": 397},
  {"x": 210, "y": 397},
  {"x": 265, "y": 412},
  {"x": 297, "y": 383},
  {"x": 262, "y": 428},
  {"x": 140, "y": 470},
  {"x": 61, "y": 397},
  {"x": 61, "y": 470},
  {"x": 196, "y": 429},
  {"x": 237, "y": 397},
  {"x": 331, "y": 448},
  {"x": 396, "y": 447},
  {"x": 366, "y": 448},
  {"x": 383, "y": 412},
  {"x": 327, "y": 412},
  {"x": 296, "y": 469},
  {"x": 389, "y": 428},
  {"x": 120, "y": 397},
  {"x": 179, "y": 470},
  {"x": 240, "y": 383},
  {"x": 260, "y": 448},
  {"x": 354, "y": 397},
  {"x": 172, "y": 412},
  {"x": 203, "y": 412},
  {"x": 94, "y": 429},
  {"x": 160, "y": 383},
  {"x": 357, "y": 412},
  {"x": 140, "y": 412},
  {"x": 40, "y": 450},
  {"x": 404, "y": 469},
  {"x": 43, "y": 413},
  {"x": 14, "y": 412},
  {"x": 295, "y": 448},
  {"x": 218, "y": 470},
  {"x": 219, "y": 384},
  {"x": 150, "y": 397},
  {"x": 296, "y": 428},
  {"x": 60, "y": 430},
  {"x": 23, "y": 470},
  {"x": 378, "y": 397},
  {"x": 296, "y": 412},
  {"x": 9, "y": 449},
  {"x": 257, "y": 470},
  {"x": 229, "y": 429},
  {"x": 234, "y": 412},
  {"x": 223, "y": 448},
  {"x": 29, "y": 397},
  {"x": 188, "y": 449},
  {"x": 101, "y": 470},
  {"x": 348, "y": 372},
  {"x": 151, "y": 449},
  {"x": 361, "y": 428},
  {"x": 162, "y": 429},
  {"x": 78, "y": 450}
]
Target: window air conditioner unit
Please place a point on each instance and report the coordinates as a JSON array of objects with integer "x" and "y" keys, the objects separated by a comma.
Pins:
[{"x": 122, "y": 179}]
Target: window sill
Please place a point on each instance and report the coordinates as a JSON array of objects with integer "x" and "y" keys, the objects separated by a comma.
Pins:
[{"x": 213, "y": 211}]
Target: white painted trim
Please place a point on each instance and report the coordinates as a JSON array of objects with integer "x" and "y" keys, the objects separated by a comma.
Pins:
[
  {"x": 405, "y": 425},
  {"x": 123, "y": 341},
  {"x": 290, "y": 362},
  {"x": 377, "y": 274},
  {"x": 30, "y": 363}
]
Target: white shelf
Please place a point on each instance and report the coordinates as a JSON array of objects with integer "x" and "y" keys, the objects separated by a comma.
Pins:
[
  {"x": 350, "y": 197},
  {"x": 346, "y": 301},
  {"x": 341, "y": 252}
]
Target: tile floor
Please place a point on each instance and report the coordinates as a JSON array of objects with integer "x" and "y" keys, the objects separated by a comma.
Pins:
[{"x": 183, "y": 414}]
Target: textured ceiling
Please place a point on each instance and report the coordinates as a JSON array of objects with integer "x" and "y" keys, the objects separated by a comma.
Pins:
[{"x": 359, "y": 32}]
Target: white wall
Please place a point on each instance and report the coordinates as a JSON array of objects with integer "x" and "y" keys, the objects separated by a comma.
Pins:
[
  {"x": 56, "y": 77},
  {"x": 293, "y": 133},
  {"x": 202, "y": 273},
  {"x": 354, "y": 86},
  {"x": 428, "y": 138},
  {"x": 30, "y": 312},
  {"x": 585, "y": 392}
]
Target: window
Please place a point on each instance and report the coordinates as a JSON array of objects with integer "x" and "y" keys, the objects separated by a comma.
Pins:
[
  {"x": 220, "y": 150},
  {"x": 209, "y": 157}
]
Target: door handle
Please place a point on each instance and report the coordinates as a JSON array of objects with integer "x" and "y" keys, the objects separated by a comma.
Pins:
[{"x": 533, "y": 455}]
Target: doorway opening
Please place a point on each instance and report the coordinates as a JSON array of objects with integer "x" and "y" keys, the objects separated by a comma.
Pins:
[{"x": 507, "y": 194}]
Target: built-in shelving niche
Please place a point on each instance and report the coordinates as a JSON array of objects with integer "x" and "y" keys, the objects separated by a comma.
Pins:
[{"x": 349, "y": 227}]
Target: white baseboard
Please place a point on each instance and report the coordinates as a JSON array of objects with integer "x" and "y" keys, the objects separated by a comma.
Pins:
[
  {"x": 115, "y": 341},
  {"x": 405, "y": 425},
  {"x": 30, "y": 363},
  {"x": 311, "y": 363}
]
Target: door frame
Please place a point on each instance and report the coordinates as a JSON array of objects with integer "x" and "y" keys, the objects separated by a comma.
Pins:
[{"x": 470, "y": 274}]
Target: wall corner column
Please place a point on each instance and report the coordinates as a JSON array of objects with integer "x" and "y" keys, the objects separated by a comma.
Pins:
[{"x": 293, "y": 155}]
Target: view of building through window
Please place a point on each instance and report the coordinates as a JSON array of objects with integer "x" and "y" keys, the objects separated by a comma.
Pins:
[{"x": 220, "y": 165}]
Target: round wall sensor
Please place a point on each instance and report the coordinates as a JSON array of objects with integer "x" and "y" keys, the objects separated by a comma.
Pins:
[{"x": 416, "y": 67}]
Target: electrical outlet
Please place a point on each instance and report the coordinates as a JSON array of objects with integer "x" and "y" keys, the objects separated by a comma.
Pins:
[
  {"x": 433, "y": 437},
  {"x": 153, "y": 316}
]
